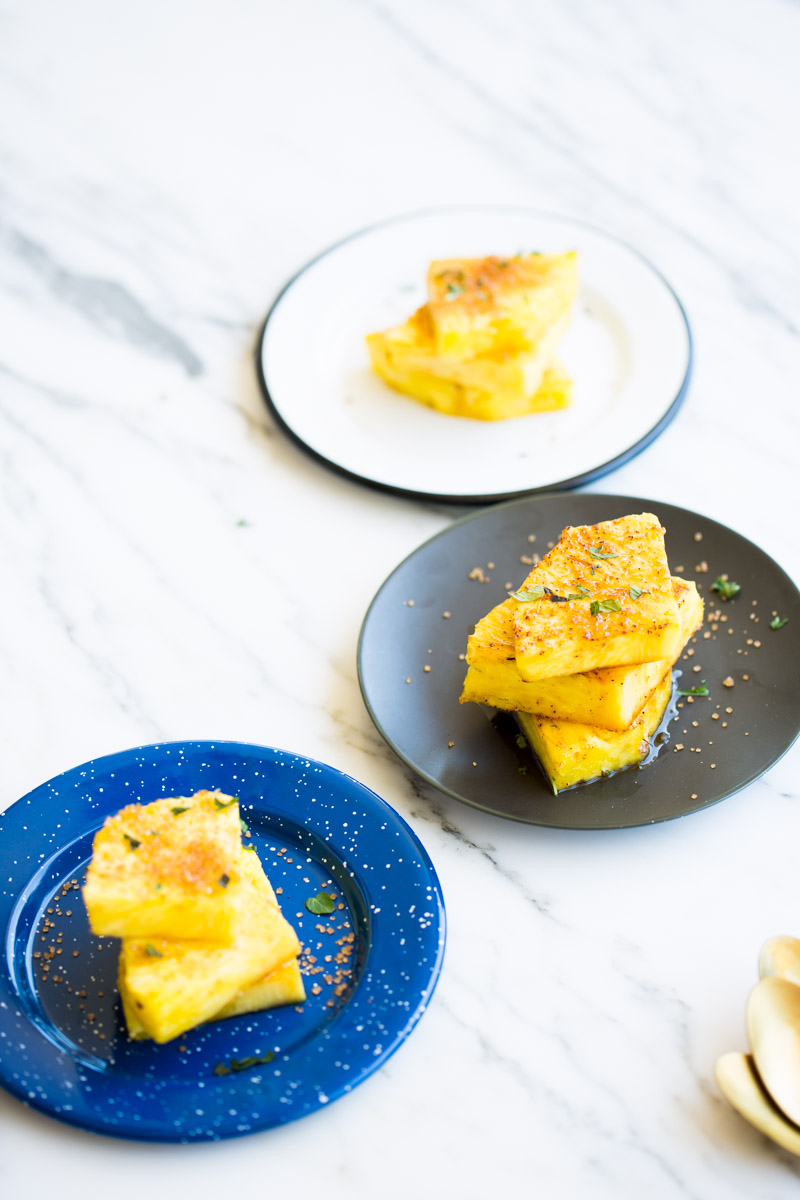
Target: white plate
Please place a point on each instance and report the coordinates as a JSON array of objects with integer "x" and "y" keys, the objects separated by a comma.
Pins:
[{"x": 628, "y": 350}]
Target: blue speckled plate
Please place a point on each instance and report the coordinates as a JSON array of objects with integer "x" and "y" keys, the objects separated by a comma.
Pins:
[{"x": 63, "y": 1048}]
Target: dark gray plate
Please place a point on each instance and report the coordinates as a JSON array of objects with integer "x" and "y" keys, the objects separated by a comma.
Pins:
[{"x": 482, "y": 768}]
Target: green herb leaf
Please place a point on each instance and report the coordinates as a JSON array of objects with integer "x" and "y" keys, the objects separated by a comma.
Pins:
[
  {"x": 635, "y": 592},
  {"x": 224, "y": 880},
  {"x": 243, "y": 826},
  {"x": 580, "y": 594},
  {"x": 599, "y": 552},
  {"x": 242, "y": 523},
  {"x": 778, "y": 622},
  {"x": 534, "y": 593},
  {"x": 151, "y": 951},
  {"x": 249, "y": 848},
  {"x": 219, "y": 805},
  {"x": 522, "y": 770},
  {"x": 321, "y": 904},
  {"x": 604, "y": 606},
  {"x": 178, "y": 809},
  {"x": 700, "y": 690},
  {"x": 221, "y": 1069},
  {"x": 453, "y": 290},
  {"x": 520, "y": 740},
  {"x": 133, "y": 843},
  {"x": 252, "y": 1060},
  {"x": 726, "y": 587}
]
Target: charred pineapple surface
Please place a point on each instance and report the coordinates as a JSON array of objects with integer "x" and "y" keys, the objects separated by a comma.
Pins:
[
  {"x": 606, "y": 600},
  {"x": 492, "y": 303},
  {"x": 170, "y": 868},
  {"x": 610, "y": 697},
  {"x": 571, "y": 752},
  {"x": 171, "y": 986}
]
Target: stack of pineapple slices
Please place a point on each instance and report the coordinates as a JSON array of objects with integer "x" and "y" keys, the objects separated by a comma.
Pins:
[
  {"x": 583, "y": 651},
  {"x": 483, "y": 346},
  {"x": 202, "y": 934}
]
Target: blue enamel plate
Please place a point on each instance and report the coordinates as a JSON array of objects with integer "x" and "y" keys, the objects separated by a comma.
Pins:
[{"x": 369, "y": 967}]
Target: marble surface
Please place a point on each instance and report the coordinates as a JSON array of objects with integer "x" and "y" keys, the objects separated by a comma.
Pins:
[{"x": 163, "y": 169}]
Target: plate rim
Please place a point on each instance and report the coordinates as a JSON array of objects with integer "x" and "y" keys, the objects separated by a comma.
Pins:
[
  {"x": 89, "y": 1121},
  {"x": 473, "y": 498},
  {"x": 423, "y": 775}
]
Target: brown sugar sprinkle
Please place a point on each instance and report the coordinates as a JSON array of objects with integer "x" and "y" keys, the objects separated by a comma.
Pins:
[
  {"x": 715, "y": 716},
  {"x": 426, "y": 668},
  {"x": 679, "y": 746},
  {"x": 697, "y": 667},
  {"x": 411, "y": 604},
  {"x": 745, "y": 678},
  {"x": 728, "y": 681},
  {"x": 689, "y": 653},
  {"x": 408, "y": 679},
  {"x": 526, "y": 558},
  {"x": 728, "y": 710},
  {"x": 702, "y": 568},
  {"x": 531, "y": 537},
  {"x": 450, "y": 745},
  {"x": 694, "y": 795},
  {"x": 447, "y": 614},
  {"x": 713, "y": 766},
  {"x": 698, "y": 537},
  {"x": 707, "y": 634},
  {"x": 490, "y": 566}
]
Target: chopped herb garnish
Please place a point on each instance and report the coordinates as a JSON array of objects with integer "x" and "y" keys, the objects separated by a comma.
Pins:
[
  {"x": 599, "y": 552},
  {"x": 534, "y": 593},
  {"x": 778, "y": 622},
  {"x": 227, "y": 804},
  {"x": 249, "y": 848},
  {"x": 244, "y": 827},
  {"x": 321, "y": 904},
  {"x": 242, "y": 523},
  {"x": 133, "y": 843},
  {"x": 520, "y": 740},
  {"x": 151, "y": 951},
  {"x": 224, "y": 880},
  {"x": 221, "y": 1069},
  {"x": 635, "y": 592},
  {"x": 252, "y": 1060},
  {"x": 604, "y": 606},
  {"x": 522, "y": 770},
  {"x": 700, "y": 690},
  {"x": 178, "y": 809},
  {"x": 453, "y": 290},
  {"x": 726, "y": 587}
]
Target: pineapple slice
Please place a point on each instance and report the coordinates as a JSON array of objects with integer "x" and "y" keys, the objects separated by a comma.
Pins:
[
  {"x": 571, "y": 752},
  {"x": 498, "y": 304},
  {"x": 608, "y": 696},
  {"x": 619, "y": 569},
  {"x": 282, "y": 986},
  {"x": 492, "y": 387},
  {"x": 168, "y": 869},
  {"x": 172, "y": 986}
]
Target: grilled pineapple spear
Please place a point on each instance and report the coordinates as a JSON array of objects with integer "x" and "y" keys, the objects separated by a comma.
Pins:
[
  {"x": 603, "y": 597},
  {"x": 610, "y": 697}
]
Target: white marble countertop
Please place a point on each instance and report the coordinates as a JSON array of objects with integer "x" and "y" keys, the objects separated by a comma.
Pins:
[{"x": 164, "y": 168}]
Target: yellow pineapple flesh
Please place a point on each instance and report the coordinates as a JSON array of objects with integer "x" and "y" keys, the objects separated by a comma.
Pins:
[
  {"x": 493, "y": 386},
  {"x": 608, "y": 696},
  {"x": 498, "y": 304},
  {"x": 170, "y": 868},
  {"x": 282, "y": 986},
  {"x": 173, "y": 985},
  {"x": 571, "y": 752},
  {"x": 602, "y": 597}
]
